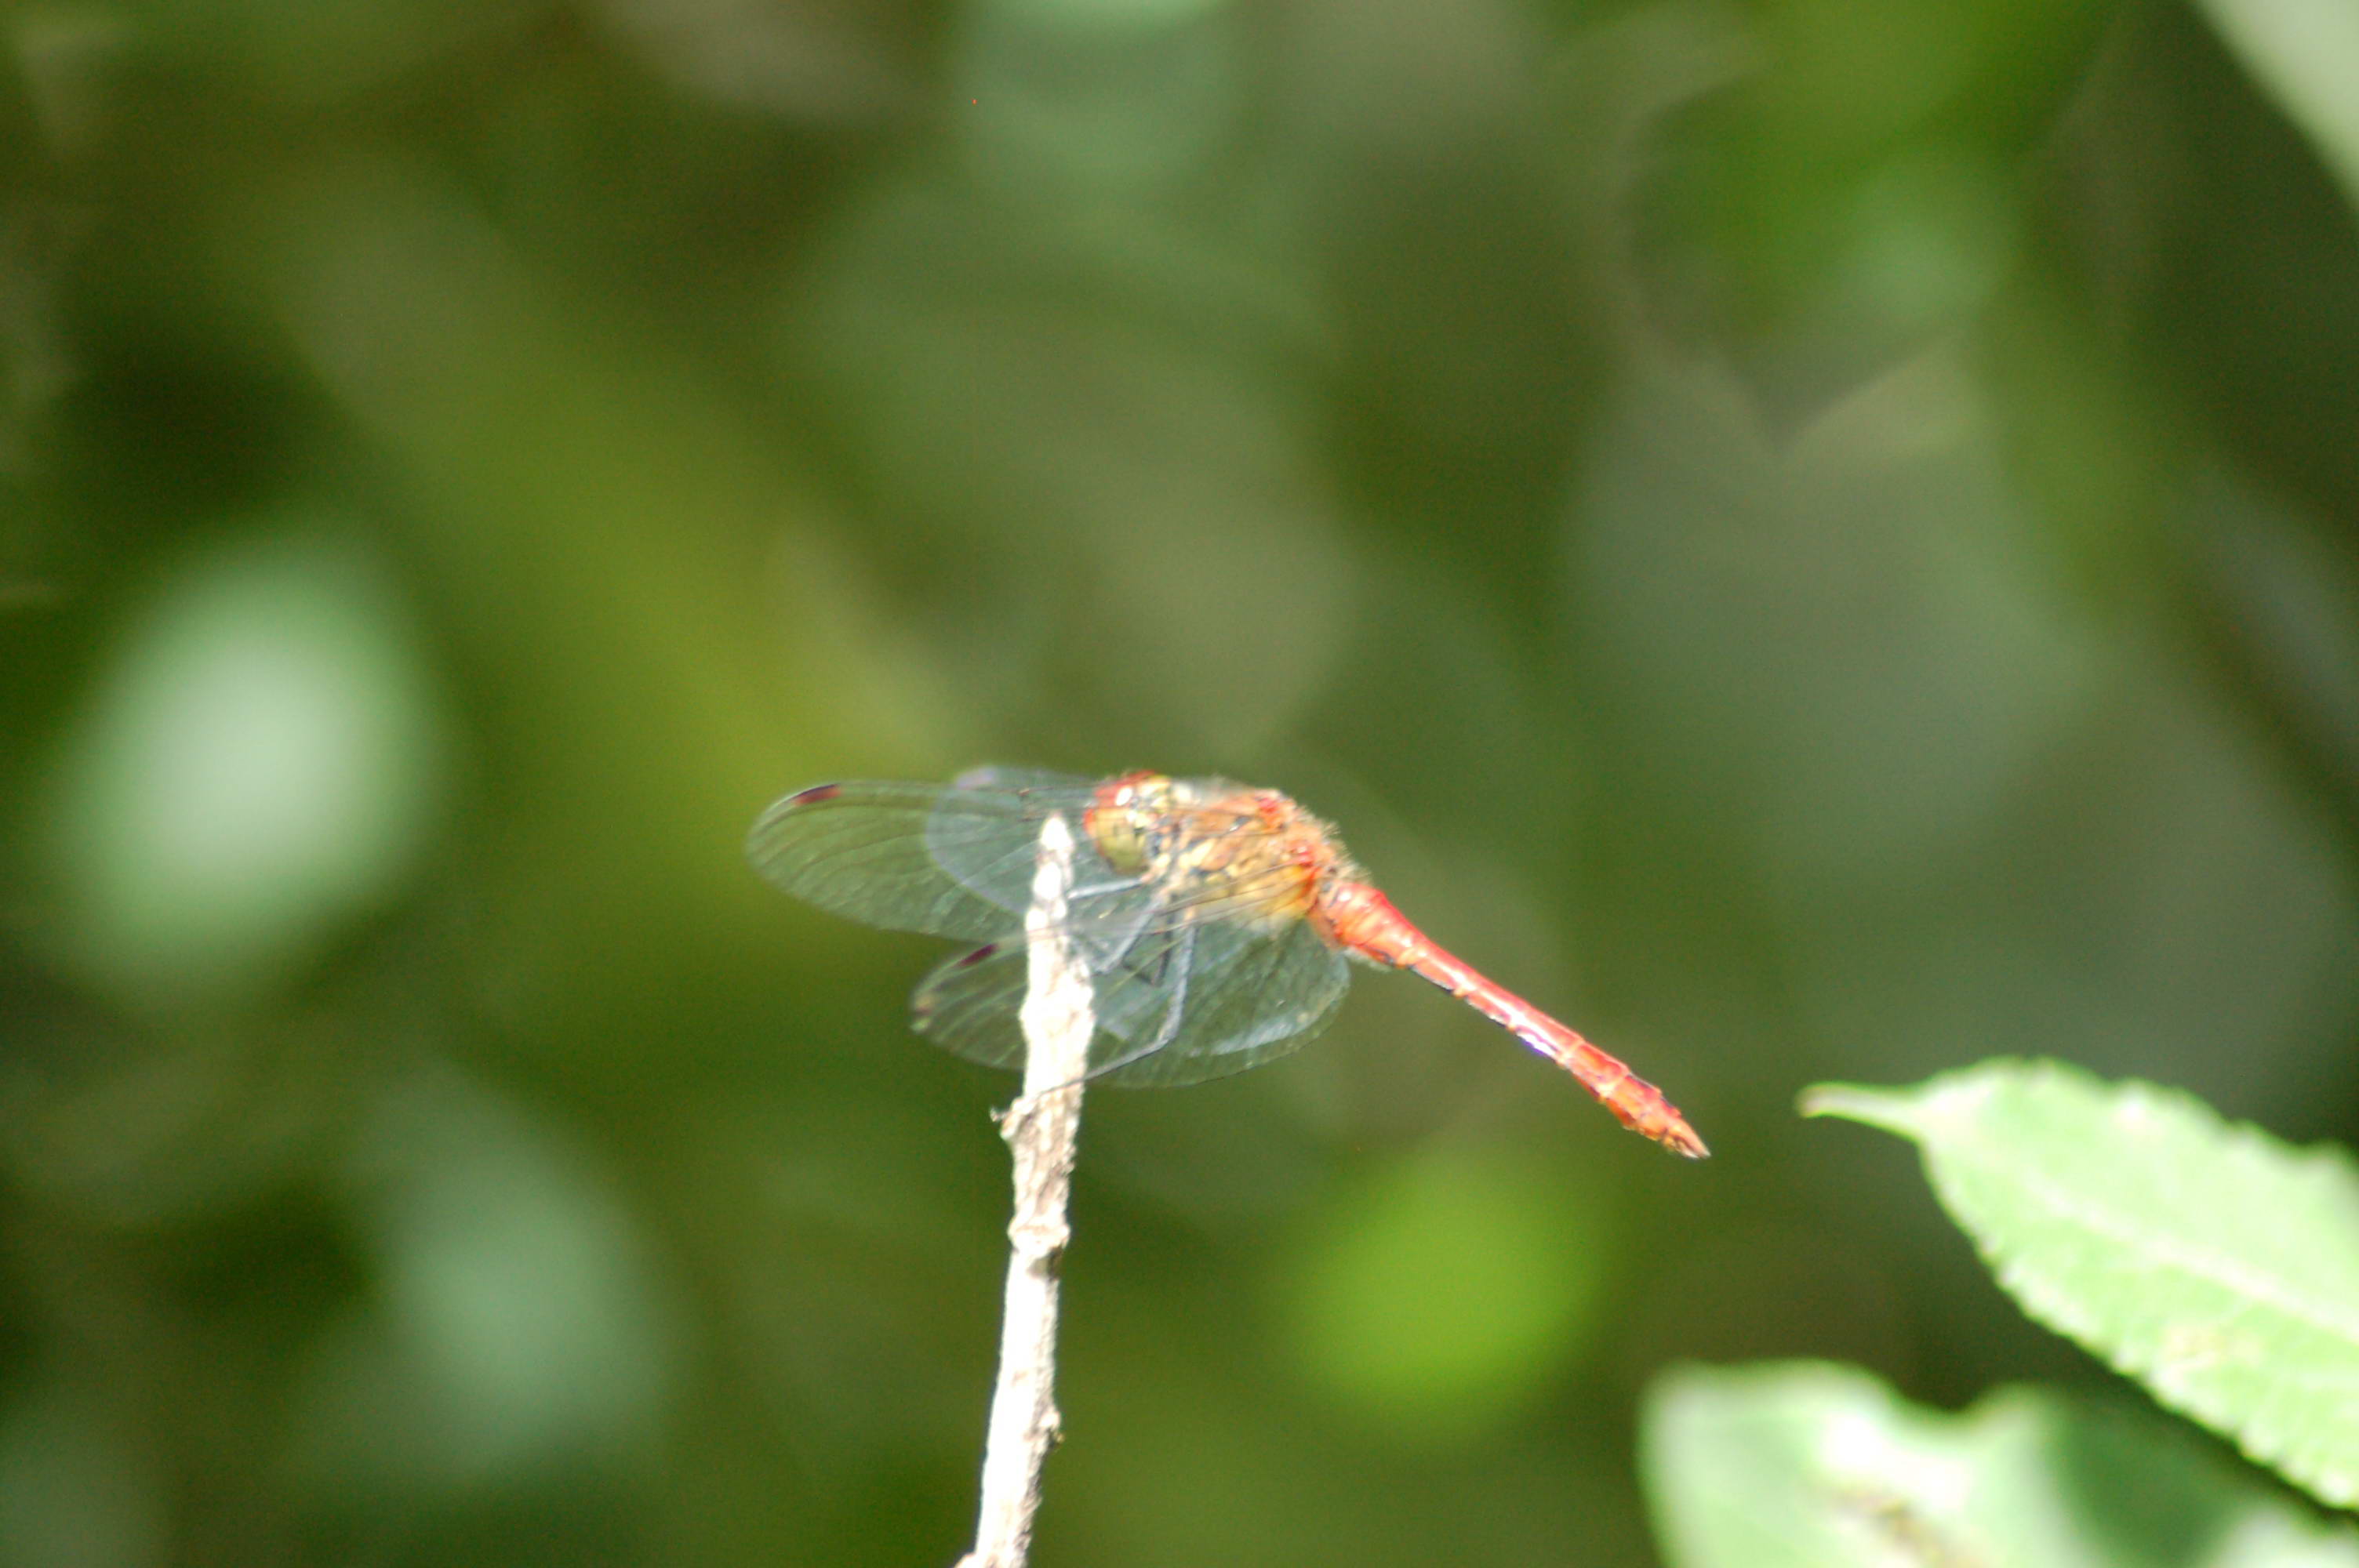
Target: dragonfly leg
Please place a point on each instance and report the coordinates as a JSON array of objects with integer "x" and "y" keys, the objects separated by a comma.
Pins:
[{"x": 1175, "y": 1011}]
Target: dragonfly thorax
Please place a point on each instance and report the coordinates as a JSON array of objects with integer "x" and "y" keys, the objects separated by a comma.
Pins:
[{"x": 1248, "y": 855}]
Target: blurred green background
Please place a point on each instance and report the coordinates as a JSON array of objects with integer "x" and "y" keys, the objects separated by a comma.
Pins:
[{"x": 1815, "y": 538}]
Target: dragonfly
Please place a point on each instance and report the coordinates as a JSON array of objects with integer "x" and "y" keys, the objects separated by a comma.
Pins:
[{"x": 1215, "y": 921}]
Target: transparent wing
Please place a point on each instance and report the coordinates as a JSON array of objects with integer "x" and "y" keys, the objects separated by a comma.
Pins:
[
  {"x": 958, "y": 861},
  {"x": 1184, "y": 1003},
  {"x": 943, "y": 859},
  {"x": 967, "y": 834},
  {"x": 1252, "y": 996},
  {"x": 1007, "y": 780}
]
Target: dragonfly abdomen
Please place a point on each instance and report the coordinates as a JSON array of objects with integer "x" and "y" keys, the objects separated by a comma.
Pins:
[
  {"x": 1636, "y": 1103},
  {"x": 1363, "y": 922}
]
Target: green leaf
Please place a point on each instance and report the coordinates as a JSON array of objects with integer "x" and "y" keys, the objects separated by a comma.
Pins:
[
  {"x": 1823, "y": 1467},
  {"x": 2305, "y": 55},
  {"x": 2215, "y": 1264}
]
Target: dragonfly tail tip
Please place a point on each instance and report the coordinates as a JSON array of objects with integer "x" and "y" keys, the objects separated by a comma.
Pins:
[{"x": 1680, "y": 1138}]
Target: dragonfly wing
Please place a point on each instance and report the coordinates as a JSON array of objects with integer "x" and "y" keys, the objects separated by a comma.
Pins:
[
  {"x": 968, "y": 833},
  {"x": 969, "y": 1005},
  {"x": 860, "y": 851},
  {"x": 953, "y": 862},
  {"x": 1250, "y": 995},
  {"x": 996, "y": 776},
  {"x": 1184, "y": 1003}
]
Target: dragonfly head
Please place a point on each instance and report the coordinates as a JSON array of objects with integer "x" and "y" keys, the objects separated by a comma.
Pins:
[{"x": 1118, "y": 823}]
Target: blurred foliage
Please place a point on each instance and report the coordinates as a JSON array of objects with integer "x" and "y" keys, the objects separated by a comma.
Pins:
[
  {"x": 1813, "y": 538},
  {"x": 1806, "y": 1465}
]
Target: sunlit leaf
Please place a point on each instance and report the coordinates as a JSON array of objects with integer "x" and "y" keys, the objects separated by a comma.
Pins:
[
  {"x": 1812, "y": 1465},
  {"x": 2305, "y": 54},
  {"x": 2215, "y": 1264}
]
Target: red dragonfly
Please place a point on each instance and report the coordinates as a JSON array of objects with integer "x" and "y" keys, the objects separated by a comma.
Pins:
[{"x": 1215, "y": 920}]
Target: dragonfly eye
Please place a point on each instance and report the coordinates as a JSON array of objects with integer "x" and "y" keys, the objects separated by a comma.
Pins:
[{"x": 1115, "y": 833}]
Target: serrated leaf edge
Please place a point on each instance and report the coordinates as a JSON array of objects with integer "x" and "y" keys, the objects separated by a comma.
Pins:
[{"x": 2054, "y": 1310}]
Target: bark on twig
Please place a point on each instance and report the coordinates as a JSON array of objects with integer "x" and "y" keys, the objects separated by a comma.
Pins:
[{"x": 1041, "y": 1129}]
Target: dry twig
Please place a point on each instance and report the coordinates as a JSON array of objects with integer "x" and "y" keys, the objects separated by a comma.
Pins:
[{"x": 1041, "y": 1129}]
